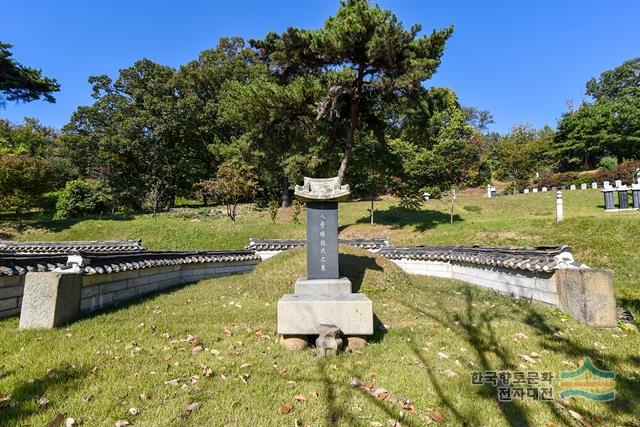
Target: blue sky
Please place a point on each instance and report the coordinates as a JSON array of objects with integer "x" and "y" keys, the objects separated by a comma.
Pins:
[{"x": 521, "y": 60}]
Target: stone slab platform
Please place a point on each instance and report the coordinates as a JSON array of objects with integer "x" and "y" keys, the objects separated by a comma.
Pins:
[
  {"x": 339, "y": 286},
  {"x": 303, "y": 314}
]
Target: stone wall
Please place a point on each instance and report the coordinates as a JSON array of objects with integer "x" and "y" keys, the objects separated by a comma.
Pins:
[
  {"x": 104, "y": 290},
  {"x": 587, "y": 294},
  {"x": 537, "y": 286},
  {"x": 99, "y": 291},
  {"x": 11, "y": 288}
]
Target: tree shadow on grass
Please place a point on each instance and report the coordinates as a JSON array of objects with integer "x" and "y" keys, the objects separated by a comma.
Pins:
[
  {"x": 398, "y": 217},
  {"x": 627, "y": 389},
  {"x": 355, "y": 267},
  {"x": 476, "y": 327},
  {"x": 58, "y": 381}
]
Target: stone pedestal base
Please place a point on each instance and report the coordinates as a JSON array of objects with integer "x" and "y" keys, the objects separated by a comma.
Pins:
[
  {"x": 339, "y": 286},
  {"x": 300, "y": 314}
]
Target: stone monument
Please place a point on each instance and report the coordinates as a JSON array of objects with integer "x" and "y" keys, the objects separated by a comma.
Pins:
[{"x": 323, "y": 303}]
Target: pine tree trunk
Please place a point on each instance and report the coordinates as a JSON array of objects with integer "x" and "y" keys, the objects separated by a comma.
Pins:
[
  {"x": 285, "y": 200},
  {"x": 353, "y": 124}
]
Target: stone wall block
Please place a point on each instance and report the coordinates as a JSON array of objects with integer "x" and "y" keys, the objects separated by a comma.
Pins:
[
  {"x": 50, "y": 299},
  {"x": 589, "y": 295}
]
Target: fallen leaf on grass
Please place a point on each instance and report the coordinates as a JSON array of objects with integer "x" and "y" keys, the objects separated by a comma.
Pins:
[
  {"x": 122, "y": 423},
  {"x": 291, "y": 382},
  {"x": 314, "y": 393},
  {"x": 5, "y": 400},
  {"x": 71, "y": 422},
  {"x": 245, "y": 378},
  {"x": 56, "y": 421},
  {"x": 172, "y": 382},
  {"x": 382, "y": 394},
  {"x": 299, "y": 397},
  {"x": 442, "y": 355},
  {"x": 579, "y": 418},
  {"x": 134, "y": 411},
  {"x": 436, "y": 416},
  {"x": 449, "y": 373},
  {"x": 42, "y": 402},
  {"x": 245, "y": 365},
  {"x": 528, "y": 358},
  {"x": 286, "y": 408},
  {"x": 206, "y": 371},
  {"x": 144, "y": 397},
  {"x": 193, "y": 408},
  {"x": 197, "y": 349}
]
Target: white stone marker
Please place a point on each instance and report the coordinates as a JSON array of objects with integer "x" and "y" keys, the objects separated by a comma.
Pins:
[
  {"x": 489, "y": 190},
  {"x": 618, "y": 183},
  {"x": 573, "y": 187},
  {"x": 544, "y": 189},
  {"x": 583, "y": 186},
  {"x": 526, "y": 190},
  {"x": 605, "y": 184},
  {"x": 594, "y": 185},
  {"x": 535, "y": 190},
  {"x": 559, "y": 207}
]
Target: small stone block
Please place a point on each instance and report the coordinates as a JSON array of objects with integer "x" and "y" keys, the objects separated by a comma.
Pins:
[
  {"x": 339, "y": 286},
  {"x": 294, "y": 342},
  {"x": 355, "y": 343},
  {"x": 328, "y": 342},
  {"x": 50, "y": 299},
  {"x": 303, "y": 314}
]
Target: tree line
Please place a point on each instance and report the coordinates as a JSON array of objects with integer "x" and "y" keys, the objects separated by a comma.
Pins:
[{"x": 246, "y": 120}]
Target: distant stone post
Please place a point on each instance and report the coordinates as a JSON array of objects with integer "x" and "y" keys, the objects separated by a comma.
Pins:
[
  {"x": 623, "y": 198},
  {"x": 559, "y": 207},
  {"x": 609, "y": 204},
  {"x": 635, "y": 191}
]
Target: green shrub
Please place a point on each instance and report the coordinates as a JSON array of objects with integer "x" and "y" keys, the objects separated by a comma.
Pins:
[
  {"x": 296, "y": 207},
  {"x": 273, "y": 210},
  {"x": 81, "y": 197},
  {"x": 608, "y": 163}
]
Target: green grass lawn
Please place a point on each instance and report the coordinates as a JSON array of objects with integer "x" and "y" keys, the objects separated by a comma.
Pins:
[{"x": 438, "y": 333}]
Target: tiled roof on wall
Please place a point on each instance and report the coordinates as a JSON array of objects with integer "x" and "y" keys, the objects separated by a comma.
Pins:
[
  {"x": 285, "y": 244},
  {"x": 542, "y": 258},
  {"x": 70, "y": 246}
]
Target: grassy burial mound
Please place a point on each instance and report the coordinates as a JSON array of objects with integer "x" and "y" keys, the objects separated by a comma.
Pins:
[{"x": 208, "y": 351}]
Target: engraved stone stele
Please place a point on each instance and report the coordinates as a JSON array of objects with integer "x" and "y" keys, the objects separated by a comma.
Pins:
[{"x": 323, "y": 297}]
